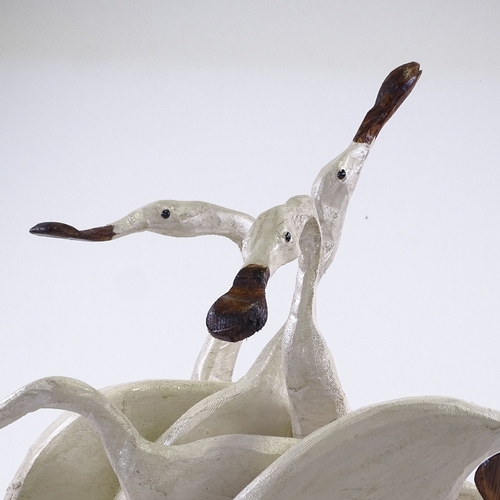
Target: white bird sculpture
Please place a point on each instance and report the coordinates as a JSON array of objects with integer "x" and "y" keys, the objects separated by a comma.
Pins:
[
  {"x": 146, "y": 470},
  {"x": 426, "y": 429},
  {"x": 180, "y": 219},
  {"x": 420, "y": 448}
]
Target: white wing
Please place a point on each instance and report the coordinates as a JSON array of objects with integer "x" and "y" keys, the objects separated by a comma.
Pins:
[{"x": 410, "y": 449}]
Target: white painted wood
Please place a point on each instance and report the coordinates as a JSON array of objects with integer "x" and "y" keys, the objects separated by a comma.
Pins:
[
  {"x": 223, "y": 440},
  {"x": 213, "y": 468},
  {"x": 313, "y": 386},
  {"x": 69, "y": 456},
  {"x": 410, "y": 449},
  {"x": 186, "y": 219}
]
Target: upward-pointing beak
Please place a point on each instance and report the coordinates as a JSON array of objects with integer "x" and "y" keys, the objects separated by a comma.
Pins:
[
  {"x": 60, "y": 230},
  {"x": 394, "y": 90},
  {"x": 242, "y": 311}
]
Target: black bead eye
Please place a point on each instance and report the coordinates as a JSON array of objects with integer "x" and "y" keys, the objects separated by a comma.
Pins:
[
  {"x": 288, "y": 237},
  {"x": 166, "y": 213},
  {"x": 341, "y": 174}
]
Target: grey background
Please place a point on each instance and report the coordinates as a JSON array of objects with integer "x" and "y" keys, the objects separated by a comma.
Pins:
[{"x": 107, "y": 106}]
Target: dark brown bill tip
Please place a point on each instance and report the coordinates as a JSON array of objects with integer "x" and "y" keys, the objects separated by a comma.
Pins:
[
  {"x": 487, "y": 478},
  {"x": 394, "y": 90},
  {"x": 242, "y": 311},
  {"x": 60, "y": 230}
]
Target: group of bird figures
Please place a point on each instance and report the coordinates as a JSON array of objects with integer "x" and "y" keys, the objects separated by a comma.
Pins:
[{"x": 285, "y": 429}]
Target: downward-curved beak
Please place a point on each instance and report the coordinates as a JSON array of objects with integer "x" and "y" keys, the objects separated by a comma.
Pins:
[
  {"x": 60, "y": 230},
  {"x": 242, "y": 311}
]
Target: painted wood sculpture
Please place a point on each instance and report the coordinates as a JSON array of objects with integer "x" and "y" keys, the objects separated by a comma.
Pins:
[{"x": 285, "y": 429}]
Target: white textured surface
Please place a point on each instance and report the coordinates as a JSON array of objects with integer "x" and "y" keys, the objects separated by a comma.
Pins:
[
  {"x": 313, "y": 386},
  {"x": 186, "y": 219},
  {"x": 411, "y": 449},
  {"x": 286, "y": 387},
  {"x": 469, "y": 492},
  {"x": 332, "y": 195},
  {"x": 69, "y": 455},
  {"x": 108, "y": 107},
  {"x": 266, "y": 244},
  {"x": 147, "y": 470},
  {"x": 216, "y": 360}
]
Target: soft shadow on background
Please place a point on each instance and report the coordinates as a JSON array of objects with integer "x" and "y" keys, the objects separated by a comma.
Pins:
[{"x": 107, "y": 106}]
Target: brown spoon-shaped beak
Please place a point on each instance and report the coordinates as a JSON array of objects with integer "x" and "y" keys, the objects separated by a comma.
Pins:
[
  {"x": 242, "y": 311},
  {"x": 487, "y": 478},
  {"x": 394, "y": 90},
  {"x": 60, "y": 230}
]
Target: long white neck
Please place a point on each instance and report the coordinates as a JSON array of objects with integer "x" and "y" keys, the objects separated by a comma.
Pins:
[
  {"x": 332, "y": 194},
  {"x": 314, "y": 389},
  {"x": 121, "y": 441},
  {"x": 185, "y": 219}
]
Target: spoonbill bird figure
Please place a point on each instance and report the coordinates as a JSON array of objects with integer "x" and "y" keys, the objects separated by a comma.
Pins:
[
  {"x": 180, "y": 219},
  {"x": 292, "y": 388},
  {"x": 438, "y": 422},
  {"x": 268, "y": 242}
]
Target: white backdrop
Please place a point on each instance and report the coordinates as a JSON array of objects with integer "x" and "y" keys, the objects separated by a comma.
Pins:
[{"x": 107, "y": 106}]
